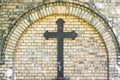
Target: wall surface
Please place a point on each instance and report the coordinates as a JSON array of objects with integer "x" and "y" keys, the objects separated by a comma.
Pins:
[{"x": 32, "y": 42}]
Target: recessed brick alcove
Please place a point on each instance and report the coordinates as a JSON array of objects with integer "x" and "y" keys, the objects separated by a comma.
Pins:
[
  {"x": 84, "y": 58},
  {"x": 95, "y": 36}
]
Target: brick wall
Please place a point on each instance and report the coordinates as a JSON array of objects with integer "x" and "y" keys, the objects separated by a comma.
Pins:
[
  {"x": 84, "y": 58},
  {"x": 11, "y": 9}
]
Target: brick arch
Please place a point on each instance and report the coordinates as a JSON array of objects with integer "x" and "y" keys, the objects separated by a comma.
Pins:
[{"x": 78, "y": 10}]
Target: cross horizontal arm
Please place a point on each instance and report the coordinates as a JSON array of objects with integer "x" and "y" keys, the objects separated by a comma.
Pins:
[
  {"x": 72, "y": 35},
  {"x": 50, "y": 35}
]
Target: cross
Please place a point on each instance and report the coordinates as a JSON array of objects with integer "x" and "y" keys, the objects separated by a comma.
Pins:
[{"x": 60, "y": 35}]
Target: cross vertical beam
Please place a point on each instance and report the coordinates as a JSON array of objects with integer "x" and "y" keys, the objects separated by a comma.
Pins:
[{"x": 60, "y": 35}]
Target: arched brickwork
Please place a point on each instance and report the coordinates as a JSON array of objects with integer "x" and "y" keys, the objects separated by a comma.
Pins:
[{"x": 78, "y": 10}]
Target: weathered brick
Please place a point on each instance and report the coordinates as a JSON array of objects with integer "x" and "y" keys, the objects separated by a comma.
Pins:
[
  {"x": 88, "y": 41},
  {"x": 52, "y": 44}
]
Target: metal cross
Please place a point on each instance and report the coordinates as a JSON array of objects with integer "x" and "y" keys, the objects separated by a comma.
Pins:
[{"x": 60, "y": 35}]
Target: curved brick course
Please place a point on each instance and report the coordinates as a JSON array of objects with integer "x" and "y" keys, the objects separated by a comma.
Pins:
[{"x": 64, "y": 8}]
